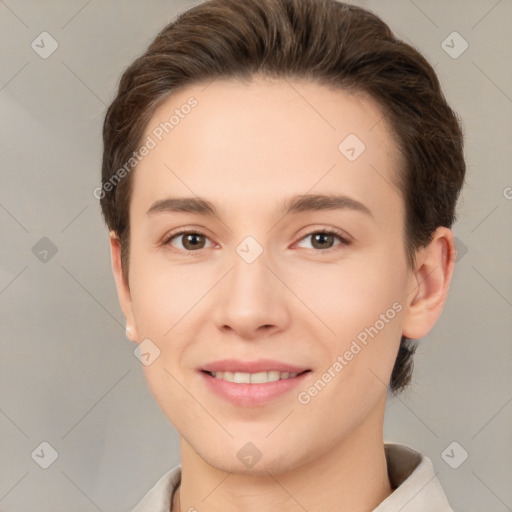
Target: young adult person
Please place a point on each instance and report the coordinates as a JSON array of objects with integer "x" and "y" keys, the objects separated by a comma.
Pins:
[{"x": 279, "y": 182}]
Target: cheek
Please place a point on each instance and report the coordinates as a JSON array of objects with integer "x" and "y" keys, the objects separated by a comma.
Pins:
[
  {"x": 165, "y": 295},
  {"x": 363, "y": 305},
  {"x": 364, "y": 311},
  {"x": 349, "y": 298}
]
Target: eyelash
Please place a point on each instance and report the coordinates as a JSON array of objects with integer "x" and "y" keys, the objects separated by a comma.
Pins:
[{"x": 343, "y": 240}]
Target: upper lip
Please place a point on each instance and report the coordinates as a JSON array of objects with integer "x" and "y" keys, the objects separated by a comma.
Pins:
[{"x": 261, "y": 365}]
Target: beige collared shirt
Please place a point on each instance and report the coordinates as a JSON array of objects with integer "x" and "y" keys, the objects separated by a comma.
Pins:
[{"x": 416, "y": 487}]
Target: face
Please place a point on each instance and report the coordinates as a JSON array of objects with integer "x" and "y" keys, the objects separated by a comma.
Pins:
[{"x": 260, "y": 280}]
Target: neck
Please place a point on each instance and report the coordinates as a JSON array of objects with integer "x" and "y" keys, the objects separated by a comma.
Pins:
[{"x": 350, "y": 476}]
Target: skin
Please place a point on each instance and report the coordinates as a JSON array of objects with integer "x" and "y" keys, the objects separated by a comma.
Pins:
[{"x": 246, "y": 148}]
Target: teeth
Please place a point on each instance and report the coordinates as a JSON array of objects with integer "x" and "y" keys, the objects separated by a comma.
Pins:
[{"x": 253, "y": 378}]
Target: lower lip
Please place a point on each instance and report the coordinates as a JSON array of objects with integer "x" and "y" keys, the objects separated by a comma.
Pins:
[{"x": 251, "y": 395}]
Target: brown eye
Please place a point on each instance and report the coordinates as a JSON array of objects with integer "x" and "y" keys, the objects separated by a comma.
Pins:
[
  {"x": 322, "y": 240},
  {"x": 325, "y": 240},
  {"x": 190, "y": 241}
]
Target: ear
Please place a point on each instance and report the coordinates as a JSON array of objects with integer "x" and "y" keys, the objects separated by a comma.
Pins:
[
  {"x": 429, "y": 284},
  {"x": 123, "y": 290}
]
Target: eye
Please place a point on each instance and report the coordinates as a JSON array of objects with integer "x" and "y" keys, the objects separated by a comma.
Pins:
[
  {"x": 323, "y": 239},
  {"x": 190, "y": 240}
]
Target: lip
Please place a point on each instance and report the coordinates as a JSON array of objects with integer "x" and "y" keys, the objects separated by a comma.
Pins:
[
  {"x": 251, "y": 395},
  {"x": 261, "y": 365}
]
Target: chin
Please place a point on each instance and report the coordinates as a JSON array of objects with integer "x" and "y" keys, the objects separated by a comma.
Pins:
[
  {"x": 263, "y": 467},
  {"x": 235, "y": 457}
]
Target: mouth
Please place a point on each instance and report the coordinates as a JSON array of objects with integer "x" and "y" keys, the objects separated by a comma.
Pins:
[
  {"x": 253, "y": 389},
  {"x": 254, "y": 378}
]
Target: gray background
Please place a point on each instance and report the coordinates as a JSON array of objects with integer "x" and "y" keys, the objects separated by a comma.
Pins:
[{"x": 68, "y": 374}]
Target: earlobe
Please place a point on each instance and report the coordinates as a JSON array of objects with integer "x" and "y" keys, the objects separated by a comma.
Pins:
[
  {"x": 130, "y": 332},
  {"x": 123, "y": 290},
  {"x": 431, "y": 283}
]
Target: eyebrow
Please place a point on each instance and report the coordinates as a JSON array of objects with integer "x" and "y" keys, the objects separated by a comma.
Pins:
[{"x": 295, "y": 204}]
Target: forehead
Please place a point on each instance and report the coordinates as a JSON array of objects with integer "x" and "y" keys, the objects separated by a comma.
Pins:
[
  {"x": 244, "y": 142},
  {"x": 265, "y": 106}
]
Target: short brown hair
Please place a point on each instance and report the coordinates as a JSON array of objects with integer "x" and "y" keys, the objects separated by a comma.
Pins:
[{"x": 328, "y": 42}]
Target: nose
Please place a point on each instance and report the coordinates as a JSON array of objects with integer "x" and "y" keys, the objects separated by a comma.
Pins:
[{"x": 252, "y": 301}]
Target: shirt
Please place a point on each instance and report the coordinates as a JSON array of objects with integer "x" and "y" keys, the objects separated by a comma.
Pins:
[{"x": 411, "y": 475}]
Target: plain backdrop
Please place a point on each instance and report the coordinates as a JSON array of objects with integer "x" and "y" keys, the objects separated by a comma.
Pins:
[{"x": 68, "y": 375}]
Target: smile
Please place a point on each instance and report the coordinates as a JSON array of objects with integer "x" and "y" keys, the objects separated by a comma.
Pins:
[{"x": 253, "y": 378}]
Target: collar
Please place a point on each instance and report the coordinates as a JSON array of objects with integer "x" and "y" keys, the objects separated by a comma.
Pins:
[{"x": 411, "y": 474}]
